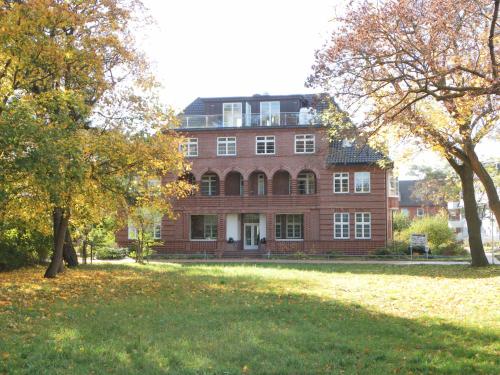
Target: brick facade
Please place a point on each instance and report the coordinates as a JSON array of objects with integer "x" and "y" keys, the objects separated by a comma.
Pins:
[{"x": 317, "y": 209}]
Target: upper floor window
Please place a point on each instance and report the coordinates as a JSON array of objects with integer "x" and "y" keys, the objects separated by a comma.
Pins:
[
  {"x": 226, "y": 146},
  {"x": 209, "y": 184},
  {"x": 306, "y": 183},
  {"x": 304, "y": 143},
  {"x": 265, "y": 145},
  {"x": 363, "y": 225},
  {"x": 393, "y": 186},
  {"x": 341, "y": 182},
  {"x": 269, "y": 113},
  {"x": 362, "y": 182},
  {"x": 190, "y": 147},
  {"x": 261, "y": 184},
  {"x": 232, "y": 114}
]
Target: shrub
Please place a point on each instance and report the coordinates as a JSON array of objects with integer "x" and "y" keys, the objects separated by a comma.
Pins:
[
  {"x": 111, "y": 252},
  {"x": 20, "y": 246},
  {"x": 440, "y": 237},
  {"x": 400, "y": 221}
]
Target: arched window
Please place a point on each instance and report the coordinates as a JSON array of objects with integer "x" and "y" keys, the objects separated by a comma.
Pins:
[
  {"x": 233, "y": 184},
  {"x": 306, "y": 183},
  {"x": 257, "y": 183},
  {"x": 210, "y": 184},
  {"x": 282, "y": 183}
]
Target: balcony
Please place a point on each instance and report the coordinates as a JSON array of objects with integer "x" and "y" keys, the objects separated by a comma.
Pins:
[{"x": 251, "y": 120}]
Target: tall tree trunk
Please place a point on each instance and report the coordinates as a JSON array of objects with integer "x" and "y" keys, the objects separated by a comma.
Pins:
[
  {"x": 69, "y": 253},
  {"x": 471, "y": 215},
  {"x": 60, "y": 226},
  {"x": 84, "y": 251},
  {"x": 487, "y": 182}
]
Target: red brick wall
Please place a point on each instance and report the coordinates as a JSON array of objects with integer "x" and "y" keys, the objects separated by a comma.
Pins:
[
  {"x": 318, "y": 209},
  {"x": 428, "y": 210}
]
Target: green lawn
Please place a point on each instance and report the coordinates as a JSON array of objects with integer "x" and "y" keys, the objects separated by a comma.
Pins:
[{"x": 251, "y": 319}]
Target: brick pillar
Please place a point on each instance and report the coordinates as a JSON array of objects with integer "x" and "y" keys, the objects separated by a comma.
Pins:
[
  {"x": 293, "y": 187},
  {"x": 245, "y": 188},
  {"x": 222, "y": 187},
  {"x": 270, "y": 232},
  {"x": 269, "y": 186},
  {"x": 221, "y": 234}
]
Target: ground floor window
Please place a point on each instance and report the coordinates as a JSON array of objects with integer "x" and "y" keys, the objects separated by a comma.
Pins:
[
  {"x": 203, "y": 227},
  {"x": 289, "y": 226},
  {"x": 341, "y": 225},
  {"x": 153, "y": 228},
  {"x": 363, "y": 225}
]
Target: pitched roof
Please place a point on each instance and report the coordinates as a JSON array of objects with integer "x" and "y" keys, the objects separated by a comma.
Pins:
[
  {"x": 340, "y": 153},
  {"x": 318, "y": 101}
]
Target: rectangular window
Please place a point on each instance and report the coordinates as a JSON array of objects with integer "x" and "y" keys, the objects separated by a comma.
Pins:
[
  {"x": 232, "y": 114},
  {"x": 289, "y": 226},
  {"x": 154, "y": 229},
  {"x": 341, "y": 225},
  {"x": 393, "y": 186},
  {"x": 209, "y": 185},
  {"x": 362, "y": 182},
  {"x": 265, "y": 145},
  {"x": 341, "y": 182},
  {"x": 420, "y": 212},
  {"x": 363, "y": 225},
  {"x": 304, "y": 143},
  {"x": 203, "y": 227},
  {"x": 226, "y": 146},
  {"x": 269, "y": 113},
  {"x": 190, "y": 147}
]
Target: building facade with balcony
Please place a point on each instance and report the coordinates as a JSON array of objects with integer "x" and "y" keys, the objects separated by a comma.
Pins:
[{"x": 270, "y": 182}]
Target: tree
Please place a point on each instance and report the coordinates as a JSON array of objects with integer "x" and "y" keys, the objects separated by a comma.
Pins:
[
  {"x": 425, "y": 69},
  {"x": 78, "y": 112},
  {"x": 437, "y": 185}
]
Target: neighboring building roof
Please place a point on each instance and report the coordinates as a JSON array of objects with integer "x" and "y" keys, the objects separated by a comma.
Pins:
[
  {"x": 318, "y": 101},
  {"x": 406, "y": 189},
  {"x": 341, "y": 153}
]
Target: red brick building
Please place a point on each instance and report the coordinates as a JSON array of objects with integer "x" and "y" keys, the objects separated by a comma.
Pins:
[
  {"x": 412, "y": 206},
  {"x": 271, "y": 182}
]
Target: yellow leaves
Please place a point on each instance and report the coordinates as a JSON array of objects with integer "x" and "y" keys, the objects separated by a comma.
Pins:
[{"x": 5, "y": 356}]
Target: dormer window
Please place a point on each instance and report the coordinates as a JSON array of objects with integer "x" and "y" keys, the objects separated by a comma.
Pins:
[
  {"x": 232, "y": 114},
  {"x": 270, "y": 113}
]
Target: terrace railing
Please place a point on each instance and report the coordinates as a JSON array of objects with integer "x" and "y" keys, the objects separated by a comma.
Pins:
[{"x": 251, "y": 120}]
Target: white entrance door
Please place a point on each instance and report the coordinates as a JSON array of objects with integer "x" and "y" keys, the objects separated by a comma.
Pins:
[{"x": 251, "y": 236}]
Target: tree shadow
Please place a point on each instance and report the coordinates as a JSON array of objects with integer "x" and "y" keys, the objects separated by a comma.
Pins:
[{"x": 212, "y": 325}]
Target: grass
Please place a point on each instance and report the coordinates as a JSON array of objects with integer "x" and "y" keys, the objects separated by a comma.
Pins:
[{"x": 251, "y": 319}]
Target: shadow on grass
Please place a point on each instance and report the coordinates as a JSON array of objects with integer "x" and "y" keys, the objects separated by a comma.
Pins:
[{"x": 205, "y": 324}]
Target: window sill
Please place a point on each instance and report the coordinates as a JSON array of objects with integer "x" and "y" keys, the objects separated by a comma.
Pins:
[{"x": 290, "y": 239}]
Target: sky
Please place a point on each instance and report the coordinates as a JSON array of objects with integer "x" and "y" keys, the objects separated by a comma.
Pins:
[{"x": 205, "y": 48}]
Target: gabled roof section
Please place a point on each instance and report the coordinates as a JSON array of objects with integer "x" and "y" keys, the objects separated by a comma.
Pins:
[
  {"x": 342, "y": 153},
  {"x": 318, "y": 101}
]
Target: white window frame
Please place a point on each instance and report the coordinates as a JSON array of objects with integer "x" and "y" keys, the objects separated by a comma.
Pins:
[
  {"x": 293, "y": 224},
  {"x": 261, "y": 184},
  {"x": 341, "y": 176},
  {"x": 205, "y": 226},
  {"x": 236, "y": 110},
  {"x": 226, "y": 142},
  {"x": 361, "y": 176},
  {"x": 155, "y": 230},
  {"x": 266, "y": 140},
  {"x": 190, "y": 147},
  {"x": 393, "y": 186},
  {"x": 305, "y": 140},
  {"x": 420, "y": 212},
  {"x": 211, "y": 180},
  {"x": 363, "y": 224},
  {"x": 341, "y": 220},
  {"x": 309, "y": 181},
  {"x": 269, "y": 106}
]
